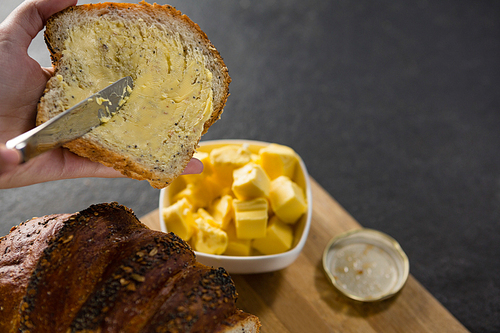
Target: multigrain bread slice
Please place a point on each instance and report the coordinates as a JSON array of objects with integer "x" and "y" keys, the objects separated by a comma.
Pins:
[
  {"x": 181, "y": 84},
  {"x": 102, "y": 270}
]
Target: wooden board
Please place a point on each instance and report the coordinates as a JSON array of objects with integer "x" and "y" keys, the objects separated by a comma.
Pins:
[{"x": 300, "y": 298}]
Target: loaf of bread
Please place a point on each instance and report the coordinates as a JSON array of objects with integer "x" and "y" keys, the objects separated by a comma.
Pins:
[
  {"x": 181, "y": 84},
  {"x": 101, "y": 270}
]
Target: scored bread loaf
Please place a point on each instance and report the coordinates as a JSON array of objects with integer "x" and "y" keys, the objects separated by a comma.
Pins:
[
  {"x": 101, "y": 270},
  {"x": 181, "y": 84}
]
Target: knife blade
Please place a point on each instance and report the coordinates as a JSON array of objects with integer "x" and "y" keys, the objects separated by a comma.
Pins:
[{"x": 74, "y": 122}]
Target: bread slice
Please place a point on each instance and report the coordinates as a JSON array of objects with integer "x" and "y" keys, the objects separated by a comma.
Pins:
[{"x": 181, "y": 84}]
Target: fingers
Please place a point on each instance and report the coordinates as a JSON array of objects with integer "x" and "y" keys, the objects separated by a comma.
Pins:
[
  {"x": 194, "y": 166},
  {"x": 54, "y": 165},
  {"x": 47, "y": 8},
  {"x": 73, "y": 166},
  {"x": 27, "y": 20},
  {"x": 9, "y": 159},
  {"x": 59, "y": 164}
]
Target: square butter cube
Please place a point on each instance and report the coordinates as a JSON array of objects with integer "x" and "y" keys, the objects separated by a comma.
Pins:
[
  {"x": 278, "y": 160},
  {"x": 240, "y": 248},
  {"x": 250, "y": 181},
  {"x": 287, "y": 199},
  {"x": 215, "y": 187},
  {"x": 222, "y": 210},
  {"x": 179, "y": 219},
  {"x": 227, "y": 158},
  {"x": 208, "y": 218},
  {"x": 236, "y": 246},
  {"x": 255, "y": 158},
  {"x": 208, "y": 239},
  {"x": 279, "y": 238},
  {"x": 199, "y": 194},
  {"x": 250, "y": 217}
]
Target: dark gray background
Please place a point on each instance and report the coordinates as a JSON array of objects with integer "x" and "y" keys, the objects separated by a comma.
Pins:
[{"x": 394, "y": 107}]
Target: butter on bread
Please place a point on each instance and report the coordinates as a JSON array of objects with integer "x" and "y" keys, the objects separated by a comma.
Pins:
[{"x": 181, "y": 84}]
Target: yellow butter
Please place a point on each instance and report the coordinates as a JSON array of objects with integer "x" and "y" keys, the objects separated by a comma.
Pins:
[
  {"x": 175, "y": 187},
  {"x": 279, "y": 238},
  {"x": 287, "y": 199},
  {"x": 250, "y": 217},
  {"x": 241, "y": 205},
  {"x": 255, "y": 158},
  {"x": 222, "y": 211},
  {"x": 179, "y": 219},
  {"x": 205, "y": 159},
  {"x": 214, "y": 186},
  {"x": 278, "y": 160},
  {"x": 206, "y": 238},
  {"x": 208, "y": 218},
  {"x": 200, "y": 193},
  {"x": 171, "y": 85},
  {"x": 250, "y": 181},
  {"x": 194, "y": 194},
  {"x": 236, "y": 246},
  {"x": 226, "y": 159},
  {"x": 240, "y": 247}
]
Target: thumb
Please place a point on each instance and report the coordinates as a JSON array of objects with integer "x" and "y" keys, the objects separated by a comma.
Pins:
[
  {"x": 27, "y": 20},
  {"x": 9, "y": 158}
]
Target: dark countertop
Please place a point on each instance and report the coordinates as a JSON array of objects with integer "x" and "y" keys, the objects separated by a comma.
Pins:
[{"x": 394, "y": 107}]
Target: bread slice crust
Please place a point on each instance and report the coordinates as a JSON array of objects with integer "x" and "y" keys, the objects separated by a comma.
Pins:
[{"x": 168, "y": 18}]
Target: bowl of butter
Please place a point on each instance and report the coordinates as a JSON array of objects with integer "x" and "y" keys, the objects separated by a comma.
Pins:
[{"x": 249, "y": 211}]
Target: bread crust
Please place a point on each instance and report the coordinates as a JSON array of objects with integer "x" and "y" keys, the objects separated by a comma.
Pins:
[
  {"x": 91, "y": 148},
  {"x": 20, "y": 250},
  {"x": 102, "y": 270}
]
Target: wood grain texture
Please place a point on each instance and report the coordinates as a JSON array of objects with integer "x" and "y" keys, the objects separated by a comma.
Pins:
[{"x": 300, "y": 298}]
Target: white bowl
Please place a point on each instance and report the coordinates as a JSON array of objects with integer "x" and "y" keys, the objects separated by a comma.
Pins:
[{"x": 257, "y": 263}]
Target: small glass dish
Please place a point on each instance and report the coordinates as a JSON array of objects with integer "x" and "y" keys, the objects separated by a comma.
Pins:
[{"x": 366, "y": 265}]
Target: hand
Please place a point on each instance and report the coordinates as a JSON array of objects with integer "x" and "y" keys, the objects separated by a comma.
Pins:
[{"x": 22, "y": 82}]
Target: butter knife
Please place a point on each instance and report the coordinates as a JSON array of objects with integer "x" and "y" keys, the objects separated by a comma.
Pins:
[{"x": 74, "y": 122}]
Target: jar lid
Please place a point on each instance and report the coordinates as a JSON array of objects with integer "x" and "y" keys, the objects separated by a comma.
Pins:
[{"x": 366, "y": 265}]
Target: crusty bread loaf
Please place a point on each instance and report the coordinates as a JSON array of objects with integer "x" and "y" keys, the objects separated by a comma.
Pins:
[
  {"x": 180, "y": 84},
  {"x": 101, "y": 270}
]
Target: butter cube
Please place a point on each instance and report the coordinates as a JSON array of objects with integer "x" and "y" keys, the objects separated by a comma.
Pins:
[
  {"x": 250, "y": 218},
  {"x": 250, "y": 181},
  {"x": 197, "y": 194},
  {"x": 279, "y": 238},
  {"x": 179, "y": 219},
  {"x": 208, "y": 239},
  {"x": 202, "y": 213},
  {"x": 255, "y": 158},
  {"x": 222, "y": 211},
  {"x": 227, "y": 158},
  {"x": 216, "y": 188},
  {"x": 205, "y": 159},
  {"x": 287, "y": 199},
  {"x": 278, "y": 160},
  {"x": 236, "y": 246}
]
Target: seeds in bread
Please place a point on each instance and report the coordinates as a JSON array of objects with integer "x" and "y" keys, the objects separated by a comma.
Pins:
[
  {"x": 102, "y": 270},
  {"x": 180, "y": 84}
]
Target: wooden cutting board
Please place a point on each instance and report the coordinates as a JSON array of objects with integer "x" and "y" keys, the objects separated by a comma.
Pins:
[{"x": 300, "y": 298}]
